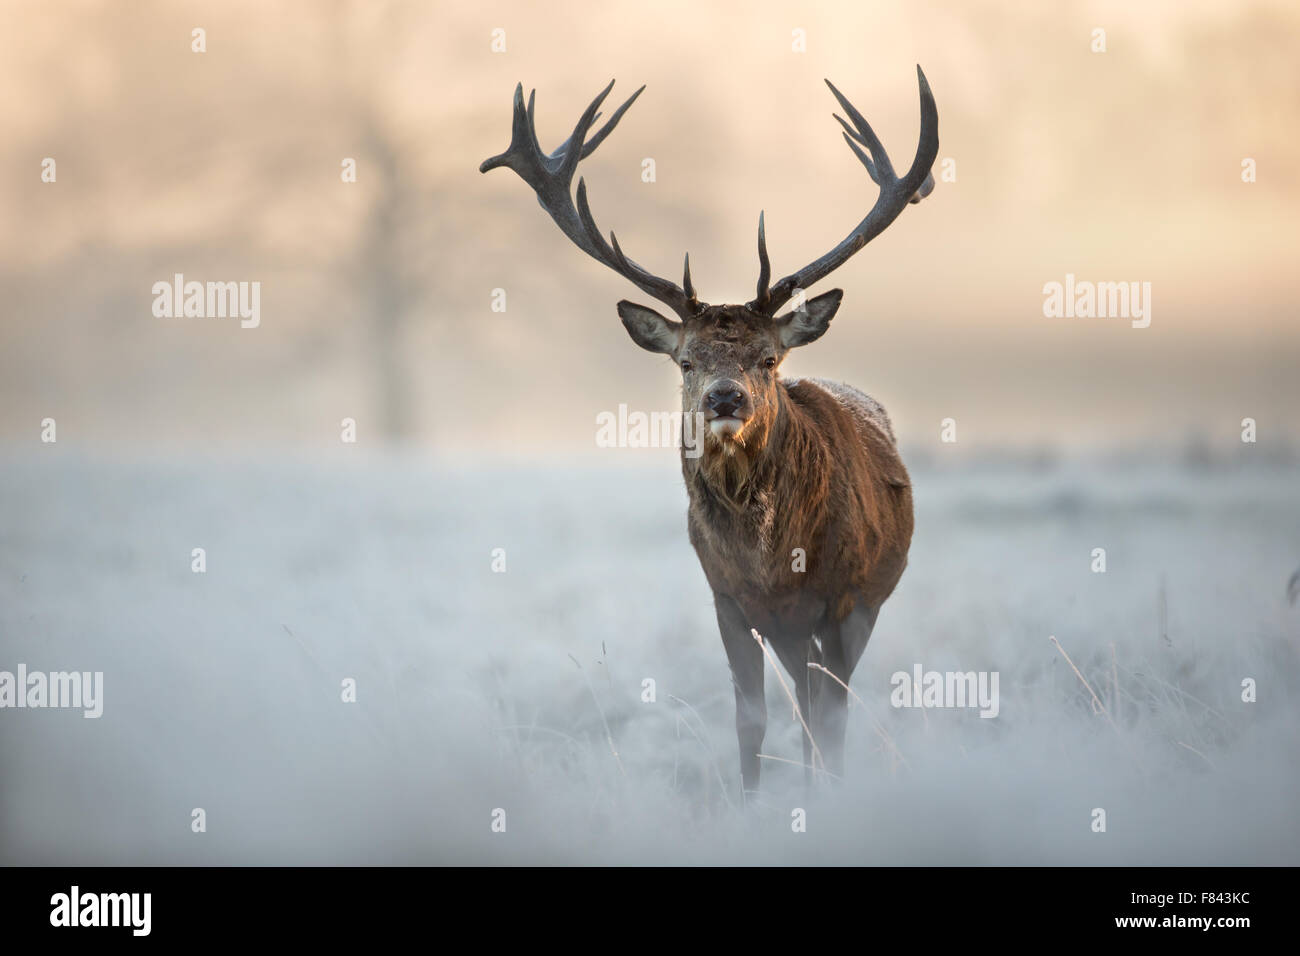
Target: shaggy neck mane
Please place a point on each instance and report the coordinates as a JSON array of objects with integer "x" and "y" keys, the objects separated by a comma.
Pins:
[{"x": 736, "y": 474}]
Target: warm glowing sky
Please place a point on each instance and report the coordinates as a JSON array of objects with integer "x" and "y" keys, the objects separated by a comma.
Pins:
[{"x": 1123, "y": 165}]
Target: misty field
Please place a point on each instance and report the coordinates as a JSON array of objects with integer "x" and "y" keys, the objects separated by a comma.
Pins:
[{"x": 522, "y": 691}]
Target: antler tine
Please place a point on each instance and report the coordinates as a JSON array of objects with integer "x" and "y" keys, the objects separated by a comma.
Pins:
[
  {"x": 686, "y": 279},
  {"x": 852, "y": 139},
  {"x": 865, "y": 134},
  {"x": 590, "y": 145},
  {"x": 895, "y": 193},
  {"x": 523, "y": 155},
  {"x": 569, "y": 156},
  {"x": 622, "y": 260},
  {"x": 764, "y": 265},
  {"x": 608, "y": 128},
  {"x": 551, "y": 177},
  {"x": 532, "y": 122},
  {"x": 928, "y": 147}
]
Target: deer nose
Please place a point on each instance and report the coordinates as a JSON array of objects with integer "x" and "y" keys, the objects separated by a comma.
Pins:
[{"x": 725, "y": 398}]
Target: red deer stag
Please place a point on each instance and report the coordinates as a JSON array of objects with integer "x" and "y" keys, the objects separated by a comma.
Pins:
[{"x": 800, "y": 507}]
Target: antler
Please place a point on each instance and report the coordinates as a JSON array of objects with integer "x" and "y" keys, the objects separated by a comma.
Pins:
[
  {"x": 895, "y": 194},
  {"x": 551, "y": 176}
]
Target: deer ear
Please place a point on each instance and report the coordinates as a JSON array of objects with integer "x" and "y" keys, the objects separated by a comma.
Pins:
[
  {"x": 809, "y": 323},
  {"x": 649, "y": 329}
]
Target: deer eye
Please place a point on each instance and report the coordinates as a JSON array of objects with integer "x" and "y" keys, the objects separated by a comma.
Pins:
[
  {"x": 769, "y": 362},
  {"x": 686, "y": 366}
]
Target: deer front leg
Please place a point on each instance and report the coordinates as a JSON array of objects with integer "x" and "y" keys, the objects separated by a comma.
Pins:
[
  {"x": 795, "y": 656},
  {"x": 746, "y": 660},
  {"x": 842, "y": 645}
]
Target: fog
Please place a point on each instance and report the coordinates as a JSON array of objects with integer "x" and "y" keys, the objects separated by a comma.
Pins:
[{"x": 481, "y": 690}]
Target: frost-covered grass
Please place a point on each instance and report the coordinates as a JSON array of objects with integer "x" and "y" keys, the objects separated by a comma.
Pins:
[{"x": 480, "y": 690}]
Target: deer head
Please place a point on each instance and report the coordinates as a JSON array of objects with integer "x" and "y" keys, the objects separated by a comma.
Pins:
[{"x": 728, "y": 354}]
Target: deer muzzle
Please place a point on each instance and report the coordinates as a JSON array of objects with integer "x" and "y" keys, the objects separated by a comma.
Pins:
[{"x": 726, "y": 407}]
